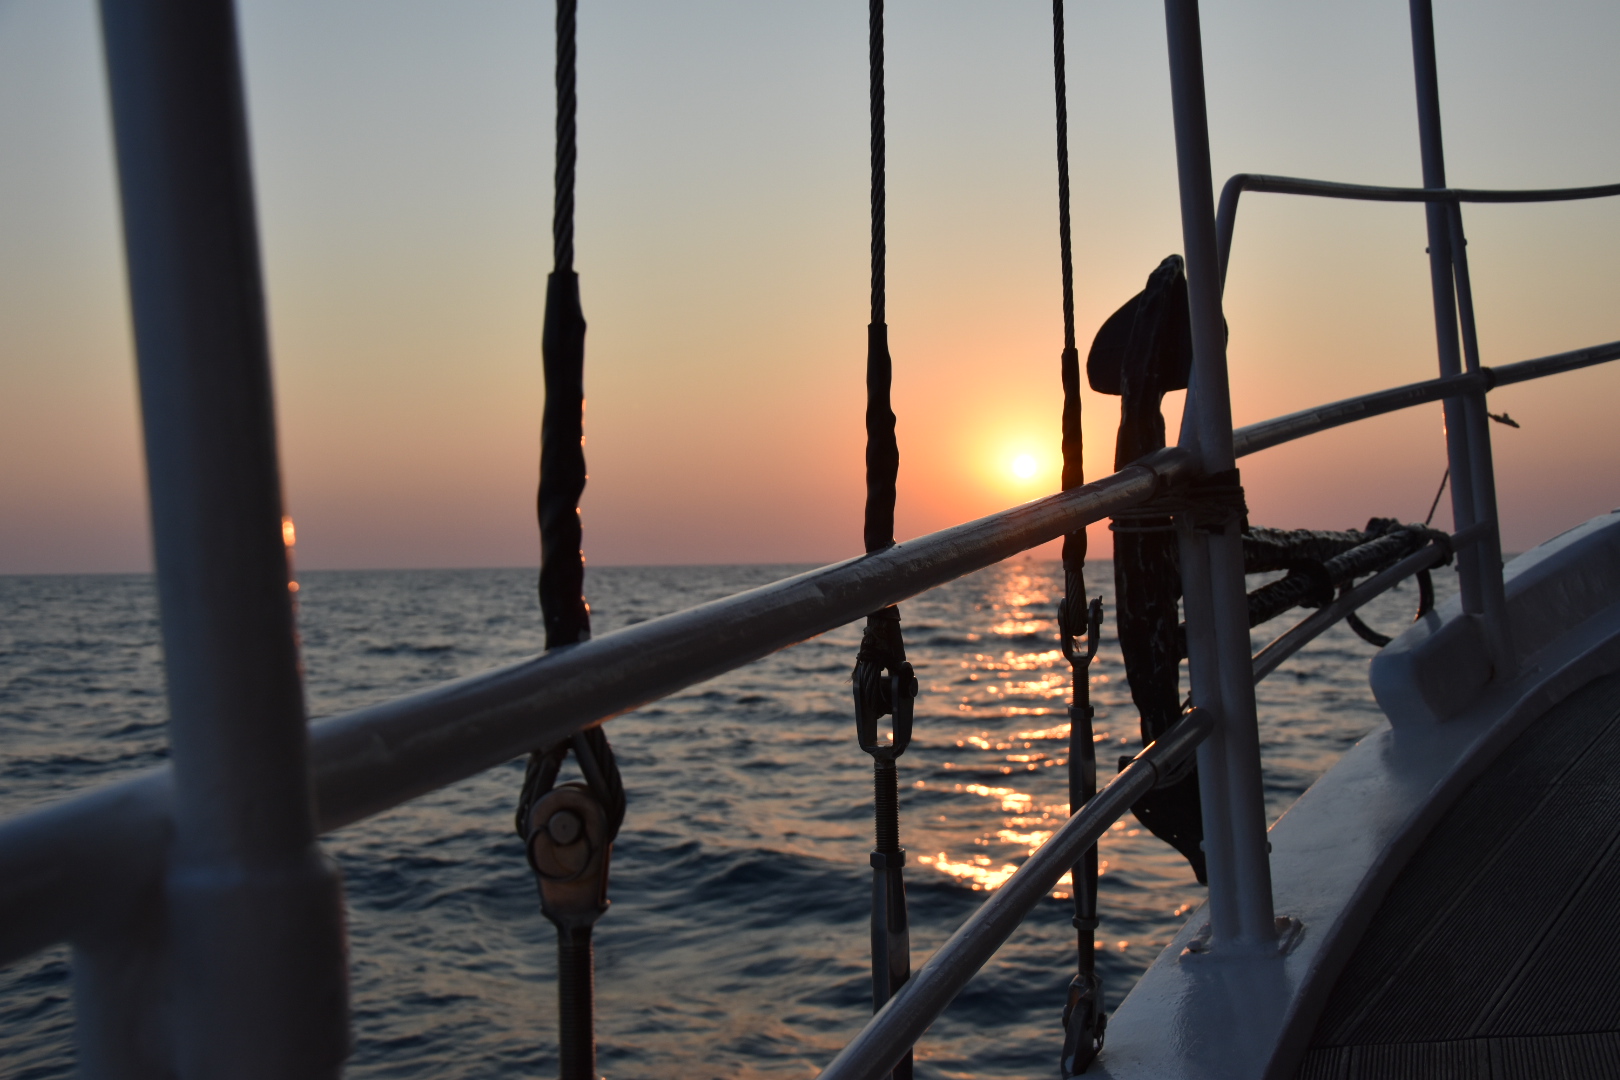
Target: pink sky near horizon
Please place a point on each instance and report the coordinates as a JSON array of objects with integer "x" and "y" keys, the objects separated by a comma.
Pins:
[{"x": 404, "y": 191}]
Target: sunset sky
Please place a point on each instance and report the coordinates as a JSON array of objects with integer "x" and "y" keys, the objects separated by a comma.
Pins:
[{"x": 403, "y": 156}]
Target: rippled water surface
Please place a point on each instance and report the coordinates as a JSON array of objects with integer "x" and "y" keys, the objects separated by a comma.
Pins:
[{"x": 736, "y": 945}]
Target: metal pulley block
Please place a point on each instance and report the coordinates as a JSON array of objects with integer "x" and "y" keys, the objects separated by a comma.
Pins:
[{"x": 569, "y": 847}]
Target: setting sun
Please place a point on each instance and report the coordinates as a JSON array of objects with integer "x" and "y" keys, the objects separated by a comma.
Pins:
[{"x": 1024, "y": 466}]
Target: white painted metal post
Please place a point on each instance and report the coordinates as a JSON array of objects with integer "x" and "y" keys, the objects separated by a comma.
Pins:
[
  {"x": 1235, "y": 847},
  {"x": 1488, "y": 548},
  {"x": 251, "y": 931},
  {"x": 1473, "y": 483}
]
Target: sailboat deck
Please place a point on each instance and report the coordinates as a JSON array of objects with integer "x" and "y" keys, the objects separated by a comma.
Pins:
[{"x": 1495, "y": 953}]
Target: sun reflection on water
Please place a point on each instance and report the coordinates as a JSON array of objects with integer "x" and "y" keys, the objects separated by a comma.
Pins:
[
  {"x": 978, "y": 872},
  {"x": 997, "y": 742}
]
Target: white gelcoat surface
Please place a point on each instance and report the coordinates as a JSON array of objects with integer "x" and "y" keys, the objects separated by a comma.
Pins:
[{"x": 1339, "y": 848}]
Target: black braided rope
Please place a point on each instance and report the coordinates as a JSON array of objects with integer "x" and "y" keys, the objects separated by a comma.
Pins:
[
  {"x": 879, "y": 209},
  {"x": 881, "y": 646},
  {"x": 1083, "y": 1019},
  {"x": 562, "y": 429},
  {"x": 562, "y": 562},
  {"x": 1074, "y": 544},
  {"x": 882, "y": 448},
  {"x": 1060, "y": 79},
  {"x": 562, "y": 214},
  {"x": 882, "y": 654}
]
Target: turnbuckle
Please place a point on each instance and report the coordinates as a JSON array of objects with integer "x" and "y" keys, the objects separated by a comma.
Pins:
[
  {"x": 884, "y": 684},
  {"x": 1084, "y": 1020}
]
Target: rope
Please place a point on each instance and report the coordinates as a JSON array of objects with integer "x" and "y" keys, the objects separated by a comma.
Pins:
[
  {"x": 561, "y": 587},
  {"x": 1060, "y": 80},
  {"x": 1083, "y": 1018},
  {"x": 1212, "y": 502},
  {"x": 1074, "y": 544},
  {"x": 1441, "y": 490},
  {"x": 1312, "y": 583},
  {"x": 562, "y": 213},
  {"x": 874, "y": 60},
  {"x": 596, "y": 763},
  {"x": 881, "y": 645},
  {"x": 882, "y": 449},
  {"x": 562, "y": 429},
  {"x": 883, "y": 680}
]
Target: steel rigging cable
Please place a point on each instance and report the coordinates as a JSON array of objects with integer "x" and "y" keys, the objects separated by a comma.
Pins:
[
  {"x": 883, "y": 680},
  {"x": 568, "y": 829},
  {"x": 1083, "y": 1018}
]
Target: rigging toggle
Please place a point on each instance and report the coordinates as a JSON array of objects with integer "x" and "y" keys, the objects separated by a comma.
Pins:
[
  {"x": 568, "y": 829},
  {"x": 1084, "y": 1021},
  {"x": 568, "y": 851},
  {"x": 884, "y": 684},
  {"x": 568, "y": 832}
]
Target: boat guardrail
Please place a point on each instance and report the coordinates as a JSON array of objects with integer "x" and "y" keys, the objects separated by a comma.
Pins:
[
  {"x": 902, "y": 1021},
  {"x": 1268, "y": 433},
  {"x": 1226, "y": 215}
]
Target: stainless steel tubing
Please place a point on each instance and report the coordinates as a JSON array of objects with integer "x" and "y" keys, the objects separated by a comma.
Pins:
[
  {"x": 1226, "y": 216},
  {"x": 1557, "y": 363},
  {"x": 1295, "y": 638},
  {"x": 248, "y": 919},
  {"x": 1282, "y": 429},
  {"x": 1492, "y": 588},
  {"x": 1444, "y": 295},
  {"x": 873, "y": 1053},
  {"x": 372, "y": 759},
  {"x": 60, "y": 867},
  {"x": 1234, "y": 818}
]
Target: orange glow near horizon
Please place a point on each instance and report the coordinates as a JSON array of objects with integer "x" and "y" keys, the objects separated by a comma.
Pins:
[{"x": 723, "y": 253}]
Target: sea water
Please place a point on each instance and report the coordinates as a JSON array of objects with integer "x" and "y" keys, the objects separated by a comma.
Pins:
[{"x": 737, "y": 942}]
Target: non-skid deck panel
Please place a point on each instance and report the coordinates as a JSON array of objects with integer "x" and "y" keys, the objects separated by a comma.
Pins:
[
  {"x": 1496, "y": 953},
  {"x": 1594, "y": 1055}
]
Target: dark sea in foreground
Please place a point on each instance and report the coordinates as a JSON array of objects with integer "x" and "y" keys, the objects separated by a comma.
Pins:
[{"x": 736, "y": 945}]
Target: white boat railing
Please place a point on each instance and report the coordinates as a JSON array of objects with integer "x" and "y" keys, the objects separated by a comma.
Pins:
[{"x": 203, "y": 880}]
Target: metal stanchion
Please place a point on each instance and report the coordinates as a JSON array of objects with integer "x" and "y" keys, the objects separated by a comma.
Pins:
[{"x": 1212, "y": 556}]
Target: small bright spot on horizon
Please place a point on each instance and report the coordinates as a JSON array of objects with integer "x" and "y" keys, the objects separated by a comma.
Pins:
[{"x": 1024, "y": 466}]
